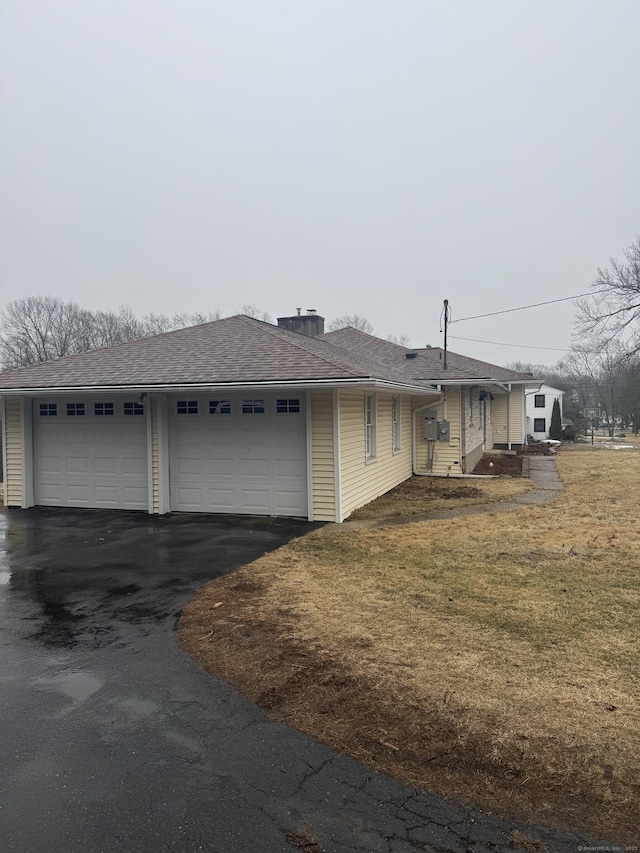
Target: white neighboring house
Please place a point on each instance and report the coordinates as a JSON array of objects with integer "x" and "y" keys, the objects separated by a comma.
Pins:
[{"x": 539, "y": 410}]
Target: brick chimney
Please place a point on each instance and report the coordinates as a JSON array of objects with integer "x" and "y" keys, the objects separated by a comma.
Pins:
[{"x": 311, "y": 323}]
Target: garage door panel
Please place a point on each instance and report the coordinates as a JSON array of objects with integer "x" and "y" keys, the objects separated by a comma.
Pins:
[
  {"x": 105, "y": 436},
  {"x": 224, "y": 500},
  {"x": 290, "y": 502},
  {"x": 90, "y": 462},
  {"x": 134, "y": 466},
  {"x": 134, "y": 496},
  {"x": 222, "y": 468},
  {"x": 77, "y": 465},
  {"x": 250, "y": 463},
  {"x": 50, "y": 464},
  {"x": 78, "y": 492},
  {"x": 75, "y": 436},
  {"x": 255, "y": 500},
  {"x": 51, "y": 494},
  {"x": 104, "y": 465},
  {"x": 106, "y": 495},
  {"x": 254, "y": 468},
  {"x": 292, "y": 469}
]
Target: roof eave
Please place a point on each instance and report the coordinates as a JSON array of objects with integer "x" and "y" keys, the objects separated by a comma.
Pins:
[{"x": 303, "y": 385}]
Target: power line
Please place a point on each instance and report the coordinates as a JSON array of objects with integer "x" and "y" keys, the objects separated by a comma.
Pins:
[
  {"x": 500, "y": 344},
  {"x": 525, "y": 307}
]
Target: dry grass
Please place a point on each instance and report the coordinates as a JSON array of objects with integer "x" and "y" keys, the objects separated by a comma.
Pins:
[
  {"x": 493, "y": 659},
  {"x": 421, "y": 495}
]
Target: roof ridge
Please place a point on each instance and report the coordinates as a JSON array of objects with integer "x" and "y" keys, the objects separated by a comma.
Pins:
[
  {"x": 278, "y": 332},
  {"x": 370, "y": 335}
]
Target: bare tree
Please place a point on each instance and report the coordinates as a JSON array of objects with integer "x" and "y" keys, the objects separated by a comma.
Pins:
[
  {"x": 613, "y": 311},
  {"x": 157, "y": 324},
  {"x": 39, "y": 328},
  {"x": 353, "y": 320},
  {"x": 42, "y": 328},
  {"x": 252, "y": 310},
  {"x": 401, "y": 340},
  {"x": 600, "y": 367}
]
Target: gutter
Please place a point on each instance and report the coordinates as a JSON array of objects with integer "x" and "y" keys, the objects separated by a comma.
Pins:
[{"x": 302, "y": 385}]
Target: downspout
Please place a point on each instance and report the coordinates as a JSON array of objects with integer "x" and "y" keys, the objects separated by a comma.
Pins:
[{"x": 509, "y": 418}]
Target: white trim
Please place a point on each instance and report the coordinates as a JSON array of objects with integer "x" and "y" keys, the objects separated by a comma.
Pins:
[
  {"x": 370, "y": 429},
  {"x": 162, "y": 426},
  {"x": 309, "y": 427},
  {"x": 26, "y": 440},
  {"x": 396, "y": 427},
  {"x": 147, "y": 413},
  {"x": 337, "y": 469},
  {"x": 4, "y": 452}
]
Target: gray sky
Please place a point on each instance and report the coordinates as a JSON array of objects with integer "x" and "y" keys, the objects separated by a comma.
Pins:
[{"x": 352, "y": 156}]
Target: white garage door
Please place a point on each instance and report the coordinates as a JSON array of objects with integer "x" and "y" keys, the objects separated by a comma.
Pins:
[
  {"x": 90, "y": 453},
  {"x": 239, "y": 455}
]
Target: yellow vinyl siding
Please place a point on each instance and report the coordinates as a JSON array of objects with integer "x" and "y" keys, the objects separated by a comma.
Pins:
[
  {"x": 517, "y": 415},
  {"x": 13, "y": 438},
  {"x": 364, "y": 480},
  {"x": 447, "y": 454},
  {"x": 500, "y": 410},
  {"x": 322, "y": 458},
  {"x": 155, "y": 477}
]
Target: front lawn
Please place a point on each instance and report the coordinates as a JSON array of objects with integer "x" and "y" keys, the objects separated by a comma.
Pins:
[{"x": 493, "y": 659}]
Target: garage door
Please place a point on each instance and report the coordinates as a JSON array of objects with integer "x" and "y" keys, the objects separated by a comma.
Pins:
[
  {"x": 239, "y": 455},
  {"x": 90, "y": 453}
]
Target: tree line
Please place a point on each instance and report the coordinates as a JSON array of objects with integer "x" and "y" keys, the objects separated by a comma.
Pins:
[
  {"x": 601, "y": 372},
  {"x": 42, "y": 328}
]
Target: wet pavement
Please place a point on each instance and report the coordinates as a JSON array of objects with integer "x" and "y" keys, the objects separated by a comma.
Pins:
[{"x": 112, "y": 740}]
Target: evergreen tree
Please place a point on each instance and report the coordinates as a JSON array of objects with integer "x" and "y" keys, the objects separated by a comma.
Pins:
[{"x": 555, "y": 430}]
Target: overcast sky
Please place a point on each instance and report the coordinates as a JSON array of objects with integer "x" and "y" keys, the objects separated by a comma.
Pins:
[{"x": 352, "y": 156}]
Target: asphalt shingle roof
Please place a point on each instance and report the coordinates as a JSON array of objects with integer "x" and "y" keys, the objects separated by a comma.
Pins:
[
  {"x": 237, "y": 349},
  {"x": 243, "y": 350},
  {"x": 428, "y": 365}
]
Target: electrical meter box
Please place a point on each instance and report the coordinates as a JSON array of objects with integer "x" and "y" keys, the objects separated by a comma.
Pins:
[
  {"x": 443, "y": 430},
  {"x": 436, "y": 430},
  {"x": 430, "y": 428}
]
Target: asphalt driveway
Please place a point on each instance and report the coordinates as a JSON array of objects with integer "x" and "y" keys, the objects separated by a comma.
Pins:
[{"x": 112, "y": 740}]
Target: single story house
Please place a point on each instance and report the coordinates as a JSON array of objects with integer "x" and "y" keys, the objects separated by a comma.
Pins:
[
  {"x": 242, "y": 416},
  {"x": 539, "y": 410}
]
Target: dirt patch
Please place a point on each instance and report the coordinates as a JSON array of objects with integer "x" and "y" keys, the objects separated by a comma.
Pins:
[
  {"x": 500, "y": 466},
  {"x": 422, "y": 495}
]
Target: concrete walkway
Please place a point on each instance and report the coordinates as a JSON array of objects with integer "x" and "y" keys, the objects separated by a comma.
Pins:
[{"x": 542, "y": 470}]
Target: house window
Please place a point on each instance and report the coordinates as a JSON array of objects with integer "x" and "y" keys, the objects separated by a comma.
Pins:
[
  {"x": 75, "y": 409},
  {"x": 48, "y": 410},
  {"x": 102, "y": 409},
  {"x": 219, "y": 407},
  {"x": 370, "y": 426},
  {"x": 253, "y": 407},
  {"x": 395, "y": 423},
  {"x": 187, "y": 407},
  {"x": 291, "y": 404},
  {"x": 538, "y": 401},
  {"x": 539, "y": 425},
  {"x": 133, "y": 409}
]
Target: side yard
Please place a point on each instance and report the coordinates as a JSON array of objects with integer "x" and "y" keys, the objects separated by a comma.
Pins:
[{"x": 492, "y": 659}]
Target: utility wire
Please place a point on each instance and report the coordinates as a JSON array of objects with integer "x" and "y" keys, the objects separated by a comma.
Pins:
[
  {"x": 500, "y": 344},
  {"x": 524, "y": 307}
]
